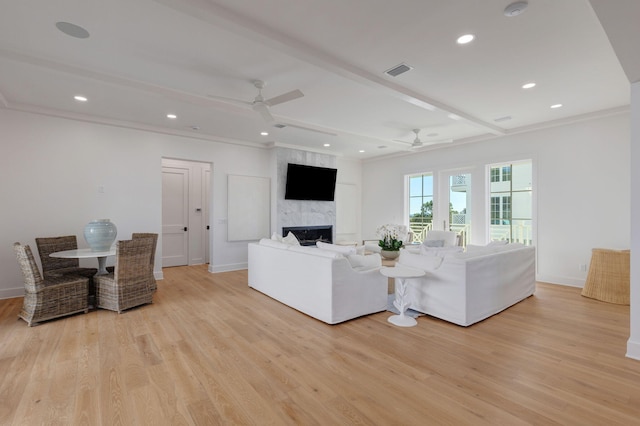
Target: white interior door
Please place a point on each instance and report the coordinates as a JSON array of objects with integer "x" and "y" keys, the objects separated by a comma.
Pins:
[
  {"x": 207, "y": 233},
  {"x": 175, "y": 216}
]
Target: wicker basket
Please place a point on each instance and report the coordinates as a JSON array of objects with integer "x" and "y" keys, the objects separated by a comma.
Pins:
[{"x": 608, "y": 277}]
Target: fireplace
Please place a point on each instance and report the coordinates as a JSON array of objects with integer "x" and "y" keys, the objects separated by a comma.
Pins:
[{"x": 309, "y": 235}]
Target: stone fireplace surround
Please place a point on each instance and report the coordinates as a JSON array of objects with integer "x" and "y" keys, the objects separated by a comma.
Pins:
[
  {"x": 301, "y": 213},
  {"x": 310, "y": 235}
]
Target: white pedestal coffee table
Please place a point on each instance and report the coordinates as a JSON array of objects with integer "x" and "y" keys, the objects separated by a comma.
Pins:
[{"x": 400, "y": 273}]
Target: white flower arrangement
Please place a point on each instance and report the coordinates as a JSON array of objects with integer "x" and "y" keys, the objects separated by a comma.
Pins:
[{"x": 391, "y": 236}]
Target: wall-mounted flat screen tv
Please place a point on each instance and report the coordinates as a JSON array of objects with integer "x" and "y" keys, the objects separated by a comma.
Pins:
[{"x": 310, "y": 183}]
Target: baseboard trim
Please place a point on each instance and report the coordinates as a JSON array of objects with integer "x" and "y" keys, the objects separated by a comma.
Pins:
[
  {"x": 228, "y": 268},
  {"x": 551, "y": 279},
  {"x": 633, "y": 349},
  {"x": 10, "y": 293}
]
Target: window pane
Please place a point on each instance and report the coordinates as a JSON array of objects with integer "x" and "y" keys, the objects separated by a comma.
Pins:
[
  {"x": 511, "y": 202},
  {"x": 415, "y": 186},
  {"x": 420, "y": 203}
]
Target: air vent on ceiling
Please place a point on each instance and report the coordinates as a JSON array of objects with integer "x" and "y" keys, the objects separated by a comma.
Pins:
[
  {"x": 280, "y": 126},
  {"x": 398, "y": 69}
]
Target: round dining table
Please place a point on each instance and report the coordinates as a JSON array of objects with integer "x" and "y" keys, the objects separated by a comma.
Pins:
[{"x": 85, "y": 253}]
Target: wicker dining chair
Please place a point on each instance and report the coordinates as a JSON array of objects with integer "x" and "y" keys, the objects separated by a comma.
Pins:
[
  {"x": 154, "y": 237},
  {"x": 57, "y": 267},
  {"x": 49, "y": 298},
  {"x": 130, "y": 283}
]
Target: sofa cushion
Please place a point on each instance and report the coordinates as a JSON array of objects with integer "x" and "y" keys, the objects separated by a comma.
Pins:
[
  {"x": 450, "y": 237},
  {"x": 346, "y": 250},
  {"x": 361, "y": 262},
  {"x": 316, "y": 252},
  {"x": 420, "y": 261},
  {"x": 433, "y": 243},
  {"x": 273, "y": 243},
  {"x": 439, "y": 251}
]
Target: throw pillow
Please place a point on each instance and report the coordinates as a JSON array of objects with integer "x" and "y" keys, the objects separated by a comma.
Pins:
[
  {"x": 346, "y": 250},
  {"x": 413, "y": 260},
  {"x": 276, "y": 237},
  {"x": 291, "y": 239},
  {"x": 364, "y": 263},
  {"x": 497, "y": 243},
  {"x": 433, "y": 243}
]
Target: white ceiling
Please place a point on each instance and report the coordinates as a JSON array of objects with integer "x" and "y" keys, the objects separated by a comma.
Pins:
[{"x": 147, "y": 58}]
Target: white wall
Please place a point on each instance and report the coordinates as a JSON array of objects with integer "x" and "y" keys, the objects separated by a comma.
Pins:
[
  {"x": 51, "y": 168},
  {"x": 581, "y": 176},
  {"x": 349, "y": 175},
  {"x": 633, "y": 345}
]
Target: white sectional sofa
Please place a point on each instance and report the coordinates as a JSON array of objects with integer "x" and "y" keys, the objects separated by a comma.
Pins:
[
  {"x": 467, "y": 287},
  {"x": 328, "y": 285}
]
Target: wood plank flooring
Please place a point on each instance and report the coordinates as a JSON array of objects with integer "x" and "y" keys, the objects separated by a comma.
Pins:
[{"x": 211, "y": 351}]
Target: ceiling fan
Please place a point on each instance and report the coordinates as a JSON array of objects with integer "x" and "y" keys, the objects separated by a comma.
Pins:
[
  {"x": 417, "y": 143},
  {"x": 259, "y": 103}
]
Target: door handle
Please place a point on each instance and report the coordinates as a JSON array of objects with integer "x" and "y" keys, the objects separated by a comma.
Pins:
[{"x": 185, "y": 229}]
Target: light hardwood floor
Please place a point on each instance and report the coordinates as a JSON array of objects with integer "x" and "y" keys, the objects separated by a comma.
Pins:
[{"x": 211, "y": 351}]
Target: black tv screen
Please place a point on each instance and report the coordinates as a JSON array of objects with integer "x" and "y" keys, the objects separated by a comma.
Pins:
[{"x": 310, "y": 183}]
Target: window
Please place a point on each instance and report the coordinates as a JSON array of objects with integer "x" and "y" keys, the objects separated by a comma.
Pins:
[
  {"x": 501, "y": 174},
  {"x": 506, "y": 173},
  {"x": 495, "y": 210},
  {"x": 511, "y": 202},
  {"x": 420, "y": 204},
  {"x": 495, "y": 174}
]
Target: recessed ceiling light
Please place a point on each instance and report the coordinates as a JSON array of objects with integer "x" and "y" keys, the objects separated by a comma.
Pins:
[
  {"x": 554, "y": 106},
  {"x": 264, "y": 133},
  {"x": 528, "y": 85},
  {"x": 362, "y": 150},
  {"x": 72, "y": 30},
  {"x": 327, "y": 145},
  {"x": 464, "y": 39},
  {"x": 172, "y": 116},
  {"x": 80, "y": 98}
]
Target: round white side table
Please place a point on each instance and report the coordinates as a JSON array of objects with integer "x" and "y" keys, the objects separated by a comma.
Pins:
[{"x": 399, "y": 273}]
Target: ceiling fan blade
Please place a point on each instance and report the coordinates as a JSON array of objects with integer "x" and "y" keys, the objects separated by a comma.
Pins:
[
  {"x": 442, "y": 141},
  {"x": 231, "y": 101},
  {"x": 404, "y": 142},
  {"x": 264, "y": 111},
  {"x": 324, "y": 132},
  {"x": 286, "y": 97}
]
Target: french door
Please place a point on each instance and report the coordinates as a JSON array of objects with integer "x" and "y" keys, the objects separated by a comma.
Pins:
[{"x": 454, "y": 203}]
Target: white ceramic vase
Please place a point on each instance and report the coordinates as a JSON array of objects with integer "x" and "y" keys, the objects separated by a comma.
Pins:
[
  {"x": 390, "y": 254},
  {"x": 100, "y": 234}
]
